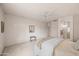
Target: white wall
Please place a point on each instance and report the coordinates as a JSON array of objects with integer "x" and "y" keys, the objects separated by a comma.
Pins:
[
  {"x": 17, "y": 29},
  {"x": 1, "y": 34}
]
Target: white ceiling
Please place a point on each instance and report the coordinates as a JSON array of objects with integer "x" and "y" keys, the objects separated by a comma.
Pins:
[{"x": 41, "y": 11}]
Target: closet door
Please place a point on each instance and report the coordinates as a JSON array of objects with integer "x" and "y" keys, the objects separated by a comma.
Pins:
[
  {"x": 53, "y": 28},
  {"x": 76, "y": 28}
]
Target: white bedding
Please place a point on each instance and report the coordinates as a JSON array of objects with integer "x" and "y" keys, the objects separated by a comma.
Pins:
[{"x": 47, "y": 47}]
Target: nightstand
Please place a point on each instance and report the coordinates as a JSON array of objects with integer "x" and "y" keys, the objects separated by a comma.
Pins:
[{"x": 32, "y": 38}]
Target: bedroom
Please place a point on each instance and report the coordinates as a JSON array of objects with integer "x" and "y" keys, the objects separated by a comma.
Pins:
[{"x": 39, "y": 29}]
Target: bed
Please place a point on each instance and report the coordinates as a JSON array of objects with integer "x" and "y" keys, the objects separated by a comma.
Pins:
[{"x": 45, "y": 47}]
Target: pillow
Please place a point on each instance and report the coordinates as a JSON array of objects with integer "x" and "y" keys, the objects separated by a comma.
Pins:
[{"x": 76, "y": 46}]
